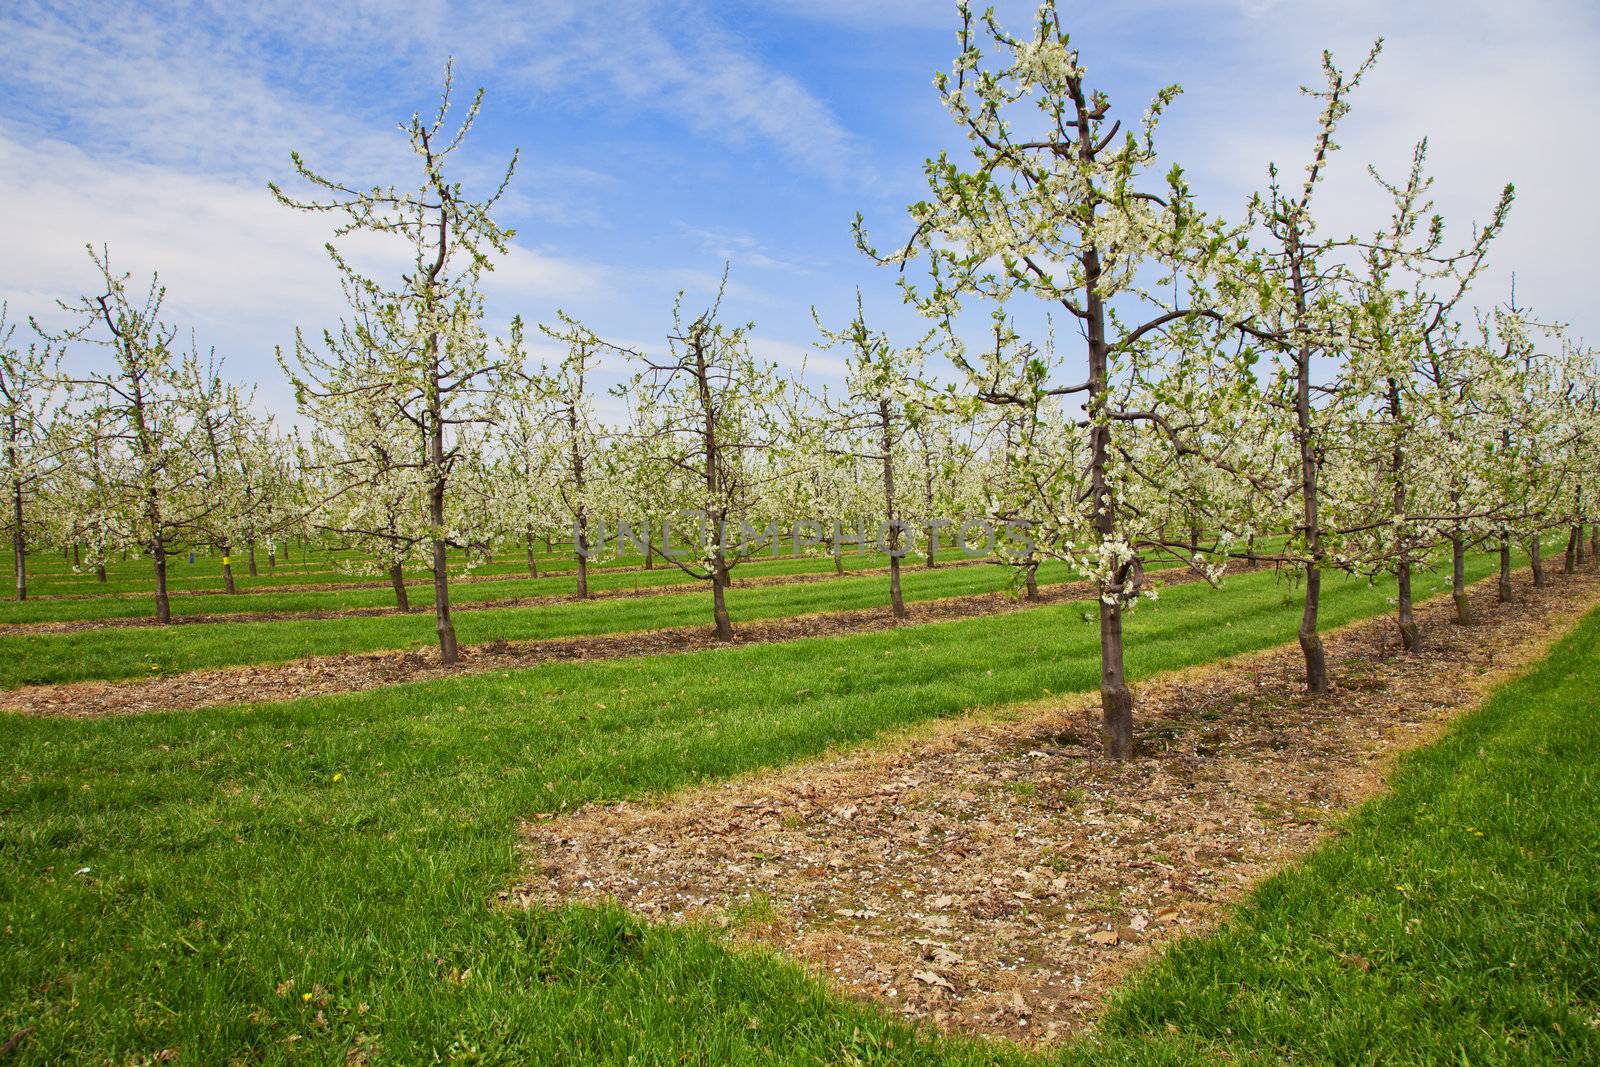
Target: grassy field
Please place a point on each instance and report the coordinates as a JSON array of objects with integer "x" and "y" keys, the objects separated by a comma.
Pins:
[
  {"x": 31, "y": 659},
  {"x": 309, "y": 880},
  {"x": 1454, "y": 921},
  {"x": 139, "y": 604},
  {"x": 50, "y": 575}
]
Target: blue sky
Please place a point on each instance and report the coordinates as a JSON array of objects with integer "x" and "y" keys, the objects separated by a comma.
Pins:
[{"x": 660, "y": 138}]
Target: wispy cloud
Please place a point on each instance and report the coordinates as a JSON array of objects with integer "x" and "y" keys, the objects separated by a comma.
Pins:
[{"x": 675, "y": 59}]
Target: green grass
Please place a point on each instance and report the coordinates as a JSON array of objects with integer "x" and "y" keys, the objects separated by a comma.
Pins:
[
  {"x": 50, "y": 575},
  {"x": 136, "y": 601},
  {"x": 28, "y": 659},
  {"x": 1456, "y": 920},
  {"x": 348, "y": 847}
]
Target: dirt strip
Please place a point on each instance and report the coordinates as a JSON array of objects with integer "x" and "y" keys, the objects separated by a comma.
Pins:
[
  {"x": 687, "y": 585},
  {"x": 998, "y": 876},
  {"x": 319, "y": 675}
]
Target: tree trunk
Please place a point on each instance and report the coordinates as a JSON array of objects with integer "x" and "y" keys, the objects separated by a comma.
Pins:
[
  {"x": 1032, "y": 577},
  {"x": 719, "y": 603},
  {"x": 581, "y": 533},
  {"x": 1536, "y": 559},
  {"x": 1572, "y": 551},
  {"x": 1503, "y": 590},
  {"x": 100, "y": 572},
  {"x": 441, "y": 576},
  {"x": 1410, "y": 635},
  {"x": 227, "y": 571},
  {"x": 19, "y": 542},
  {"x": 272, "y": 560},
  {"x": 649, "y": 553},
  {"x": 1458, "y": 579},
  {"x": 163, "y": 602},
  {"x": 1311, "y": 647},
  {"x": 1116, "y": 702},
  {"x": 76, "y": 559},
  {"x": 533, "y": 562},
  {"x": 1577, "y": 539},
  {"x": 250, "y": 558},
  {"x": 1316, "y": 656},
  {"x": 1594, "y": 540},
  {"x": 583, "y": 559},
  {"x": 886, "y": 442},
  {"x": 397, "y": 578}
]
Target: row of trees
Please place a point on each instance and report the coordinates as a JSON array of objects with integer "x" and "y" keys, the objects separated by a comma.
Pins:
[{"x": 1258, "y": 390}]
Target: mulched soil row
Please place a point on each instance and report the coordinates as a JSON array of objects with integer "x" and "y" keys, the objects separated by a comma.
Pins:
[{"x": 999, "y": 875}]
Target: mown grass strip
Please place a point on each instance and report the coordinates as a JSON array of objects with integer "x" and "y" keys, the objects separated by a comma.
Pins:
[
  {"x": 28, "y": 659},
  {"x": 183, "y": 881},
  {"x": 1454, "y": 920},
  {"x": 266, "y": 599}
]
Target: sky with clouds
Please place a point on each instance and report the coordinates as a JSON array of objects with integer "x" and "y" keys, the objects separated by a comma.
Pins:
[{"x": 660, "y": 138}]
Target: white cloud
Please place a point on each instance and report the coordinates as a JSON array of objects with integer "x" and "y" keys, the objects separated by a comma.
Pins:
[
  {"x": 675, "y": 59},
  {"x": 241, "y": 269},
  {"x": 1503, "y": 94}
]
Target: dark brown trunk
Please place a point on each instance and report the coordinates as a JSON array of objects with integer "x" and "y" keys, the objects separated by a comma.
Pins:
[
  {"x": 1503, "y": 589},
  {"x": 1536, "y": 559},
  {"x": 439, "y": 470},
  {"x": 1316, "y": 656},
  {"x": 582, "y": 542},
  {"x": 649, "y": 553},
  {"x": 227, "y": 571},
  {"x": 719, "y": 602},
  {"x": 250, "y": 558},
  {"x": 1458, "y": 579},
  {"x": 442, "y": 625},
  {"x": 581, "y": 533},
  {"x": 1311, "y": 647},
  {"x": 100, "y": 572},
  {"x": 1032, "y": 579},
  {"x": 397, "y": 579},
  {"x": 533, "y": 562},
  {"x": 1116, "y": 701},
  {"x": 886, "y": 442},
  {"x": 1571, "y": 562},
  {"x": 163, "y": 601},
  {"x": 1410, "y": 635},
  {"x": 76, "y": 559},
  {"x": 19, "y": 542}
]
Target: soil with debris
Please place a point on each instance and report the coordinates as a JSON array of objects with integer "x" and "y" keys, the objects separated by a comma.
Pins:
[
  {"x": 320, "y": 675},
  {"x": 686, "y": 585},
  {"x": 999, "y": 876}
]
